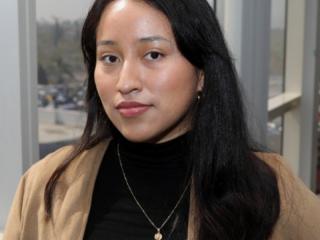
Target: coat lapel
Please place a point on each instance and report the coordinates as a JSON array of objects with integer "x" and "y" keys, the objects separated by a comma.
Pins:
[{"x": 74, "y": 191}]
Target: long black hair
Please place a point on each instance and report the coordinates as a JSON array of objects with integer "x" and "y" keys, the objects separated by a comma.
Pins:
[{"x": 235, "y": 193}]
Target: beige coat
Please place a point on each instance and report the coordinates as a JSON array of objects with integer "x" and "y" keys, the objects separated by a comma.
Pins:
[{"x": 299, "y": 217}]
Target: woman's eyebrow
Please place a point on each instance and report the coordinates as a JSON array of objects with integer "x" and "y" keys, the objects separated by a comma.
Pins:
[
  {"x": 153, "y": 39},
  {"x": 106, "y": 42},
  {"x": 144, "y": 39}
]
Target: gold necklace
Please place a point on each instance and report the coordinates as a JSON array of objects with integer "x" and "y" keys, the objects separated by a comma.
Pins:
[{"x": 158, "y": 234}]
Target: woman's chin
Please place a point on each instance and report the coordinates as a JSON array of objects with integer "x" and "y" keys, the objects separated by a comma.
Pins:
[
  {"x": 149, "y": 137},
  {"x": 134, "y": 136}
]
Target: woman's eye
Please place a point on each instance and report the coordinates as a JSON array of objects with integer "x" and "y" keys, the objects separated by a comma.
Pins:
[
  {"x": 109, "y": 59},
  {"x": 154, "y": 55}
]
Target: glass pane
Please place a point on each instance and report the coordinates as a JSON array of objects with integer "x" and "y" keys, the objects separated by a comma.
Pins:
[
  {"x": 277, "y": 46},
  {"x": 61, "y": 72},
  {"x": 275, "y": 135}
]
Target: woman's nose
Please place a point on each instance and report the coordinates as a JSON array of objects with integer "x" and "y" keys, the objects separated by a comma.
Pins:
[{"x": 129, "y": 78}]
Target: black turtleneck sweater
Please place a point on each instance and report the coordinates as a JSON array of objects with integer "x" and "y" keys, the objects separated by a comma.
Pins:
[{"x": 157, "y": 174}]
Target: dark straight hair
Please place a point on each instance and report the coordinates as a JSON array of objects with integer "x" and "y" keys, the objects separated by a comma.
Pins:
[{"x": 236, "y": 193}]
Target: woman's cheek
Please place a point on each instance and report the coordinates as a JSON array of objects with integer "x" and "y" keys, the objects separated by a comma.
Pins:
[{"x": 101, "y": 82}]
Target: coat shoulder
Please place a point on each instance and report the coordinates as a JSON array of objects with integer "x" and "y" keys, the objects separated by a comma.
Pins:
[
  {"x": 41, "y": 171},
  {"x": 299, "y": 206},
  {"x": 274, "y": 160},
  {"x": 27, "y": 203},
  {"x": 26, "y": 219},
  {"x": 50, "y": 162}
]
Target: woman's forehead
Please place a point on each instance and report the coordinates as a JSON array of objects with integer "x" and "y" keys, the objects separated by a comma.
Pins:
[{"x": 133, "y": 19}]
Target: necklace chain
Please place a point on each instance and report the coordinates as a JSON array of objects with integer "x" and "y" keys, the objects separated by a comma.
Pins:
[{"x": 137, "y": 202}]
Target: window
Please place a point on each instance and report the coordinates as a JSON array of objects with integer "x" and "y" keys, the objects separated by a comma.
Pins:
[
  {"x": 61, "y": 74},
  {"x": 277, "y": 69},
  {"x": 275, "y": 135},
  {"x": 277, "y": 47}
]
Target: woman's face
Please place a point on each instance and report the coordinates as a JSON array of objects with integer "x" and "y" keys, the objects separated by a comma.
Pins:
[{"x": 145, "y": 84}]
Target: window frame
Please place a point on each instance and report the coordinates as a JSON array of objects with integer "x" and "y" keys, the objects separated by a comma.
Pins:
[{"x": 299, "y": 101}]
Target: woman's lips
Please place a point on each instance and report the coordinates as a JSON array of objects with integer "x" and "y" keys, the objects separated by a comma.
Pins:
[{"x": 132, "y": 109}]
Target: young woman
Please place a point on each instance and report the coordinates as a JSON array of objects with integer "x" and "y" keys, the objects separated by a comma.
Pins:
[{"x": 166, "y": 152}]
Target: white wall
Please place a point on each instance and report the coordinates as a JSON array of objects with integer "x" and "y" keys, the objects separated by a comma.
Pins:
[
  {"x": 17, "y": 99},
  {"x": 10, "y": 120}
]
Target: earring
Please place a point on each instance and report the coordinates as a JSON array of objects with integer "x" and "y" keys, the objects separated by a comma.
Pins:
[{"x": 199, "y": 96}]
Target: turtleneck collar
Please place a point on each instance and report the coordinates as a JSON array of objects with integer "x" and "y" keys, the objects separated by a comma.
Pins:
[{"x": 167, "y": 154}]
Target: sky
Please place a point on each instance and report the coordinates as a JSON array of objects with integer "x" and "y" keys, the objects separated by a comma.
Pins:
[{"x": 62, "y": 9}]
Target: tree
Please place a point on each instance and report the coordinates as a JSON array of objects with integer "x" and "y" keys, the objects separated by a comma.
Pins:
[
  {"x": 42, "y": 75},
  {"x": 57, "y": 32}
]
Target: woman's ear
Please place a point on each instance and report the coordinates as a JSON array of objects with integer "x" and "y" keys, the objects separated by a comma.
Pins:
[{"x": 200, "y": 80}]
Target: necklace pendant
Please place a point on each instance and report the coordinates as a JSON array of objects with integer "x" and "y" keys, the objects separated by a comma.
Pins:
[{"x": 158, "y": 235}]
